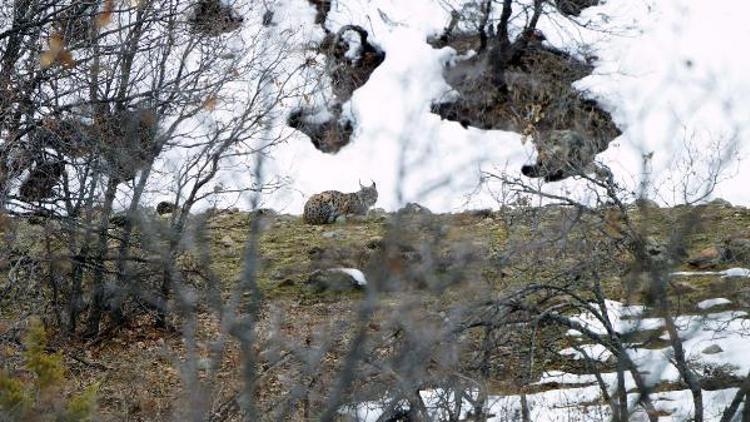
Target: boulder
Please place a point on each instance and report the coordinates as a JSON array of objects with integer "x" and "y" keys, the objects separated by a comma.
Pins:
[
  {"x": 481, "y": 213},
  {"x": 204, "y": 364},
  {"x": 261, "y": 212},
  {"x": 41, "y": 181},
  {"x": 322, "y": 7},
  {"x": 119, "y": 219},
  {"x": 662, "y": 253},
  {"x": 377, "y": 214},
  {"x": 335, "y": 234},
  {"x": 350, "y": 60},
  {"x": 737, "y": 250},
  {"x": 412, "y": 208},
  {"x": 655, "y": 248},
  {"x": 337, "y": 279},
  {"x": 562, "y": 154},
  {"x": 227, "y": 242},
  {"x": 707, "y": 258},
  {"x": 681, "y": 288},
  {"x": 719, "y": 202},
  {"x": 165, "y": 207},
  {"x": 375, "y": 243},
  {"x": 730, "y": 251},
  {"x": 646, "y": 203},
  {"x": 574, "y": 7},
  {"x": 213, "y": 18},
  {"x": 712, "y": 349},
  {"x": 329, "y": 130}
]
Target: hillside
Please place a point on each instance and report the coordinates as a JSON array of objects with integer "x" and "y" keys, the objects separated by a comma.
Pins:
[
  {"x": 443, "y": 263},
  {"x": 180, "y": 238}
]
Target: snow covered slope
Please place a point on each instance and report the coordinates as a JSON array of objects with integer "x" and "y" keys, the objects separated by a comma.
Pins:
[
  {"x": 714, "y": 341},
  {"x": 671, "y": 72},
  {"x": 675, "y": 80},
  {"x": 408, "y": 151}
]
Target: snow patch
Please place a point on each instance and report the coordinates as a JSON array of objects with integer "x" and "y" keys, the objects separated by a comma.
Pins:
[
  {"x": 732, "y": 272},
  {"x": 357, "y": 275},
  {"x": 595, "y": 352},
  {"x": 710, "y": 303},
  {"x": 727, "y": 330}
]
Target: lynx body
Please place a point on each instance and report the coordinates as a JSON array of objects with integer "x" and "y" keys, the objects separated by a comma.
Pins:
[{"x": 326, "y": 207}]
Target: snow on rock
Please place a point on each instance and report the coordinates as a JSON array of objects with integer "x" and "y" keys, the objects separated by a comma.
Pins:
[
  {"x": 724, "y": 334},
  {"x": 710, "y": 303},
  {"x": 667, "y": 70},
  {"x": 579, "y": 397},
  {"x": 664, "y": 69},
  {"x": 595, "y": 352},
  {"x": 725, "y": 331},
  {"x": 553, "y": 405},
  {"x": 673, "y": 79},
  {"x": 624, "y": 318},
  {"x": 732, "y": 272},
  {"x": 356, "y": 275},
  {"x": 679, "y": 404},
  {"x": 561, "y": 405},
  {"x": 560, "y": 377},
  {"x": 736, "y": 272},
  {"x": 694, "y": 273},
  {"x": 412, "y": 154}
]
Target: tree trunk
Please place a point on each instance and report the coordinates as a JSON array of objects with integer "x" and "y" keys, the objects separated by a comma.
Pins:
[
  {"x": 679, "y": 352},
  {"x": 97, "y": 303},
  {"x": 80, "y": 260},
  {"x": 123, "y": 272}
]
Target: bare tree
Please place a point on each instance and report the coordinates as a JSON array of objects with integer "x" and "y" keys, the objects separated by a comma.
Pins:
[{"x": 112, "y": 106}]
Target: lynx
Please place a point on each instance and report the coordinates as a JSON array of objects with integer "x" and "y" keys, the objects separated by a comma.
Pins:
[{"x": 326, "y": 207}]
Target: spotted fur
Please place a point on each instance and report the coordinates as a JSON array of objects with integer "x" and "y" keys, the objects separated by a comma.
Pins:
[{"x": 326, "y": 207}]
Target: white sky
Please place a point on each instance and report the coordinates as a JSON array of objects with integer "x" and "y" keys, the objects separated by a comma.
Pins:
[{"x": 641, "y": 77}]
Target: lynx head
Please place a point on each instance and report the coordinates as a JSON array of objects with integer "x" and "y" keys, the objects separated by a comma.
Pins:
[{"x": 368, "y": 194}]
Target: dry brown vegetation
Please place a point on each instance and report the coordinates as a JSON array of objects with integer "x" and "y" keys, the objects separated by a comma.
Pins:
[{"x": 143, "y": 370}]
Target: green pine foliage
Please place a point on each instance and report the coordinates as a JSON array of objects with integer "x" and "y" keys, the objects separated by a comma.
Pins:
[{"x": 40, "y": 398}]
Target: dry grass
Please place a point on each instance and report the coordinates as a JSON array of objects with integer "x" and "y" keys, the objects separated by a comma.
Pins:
[{"x": 141, "y": 368}]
